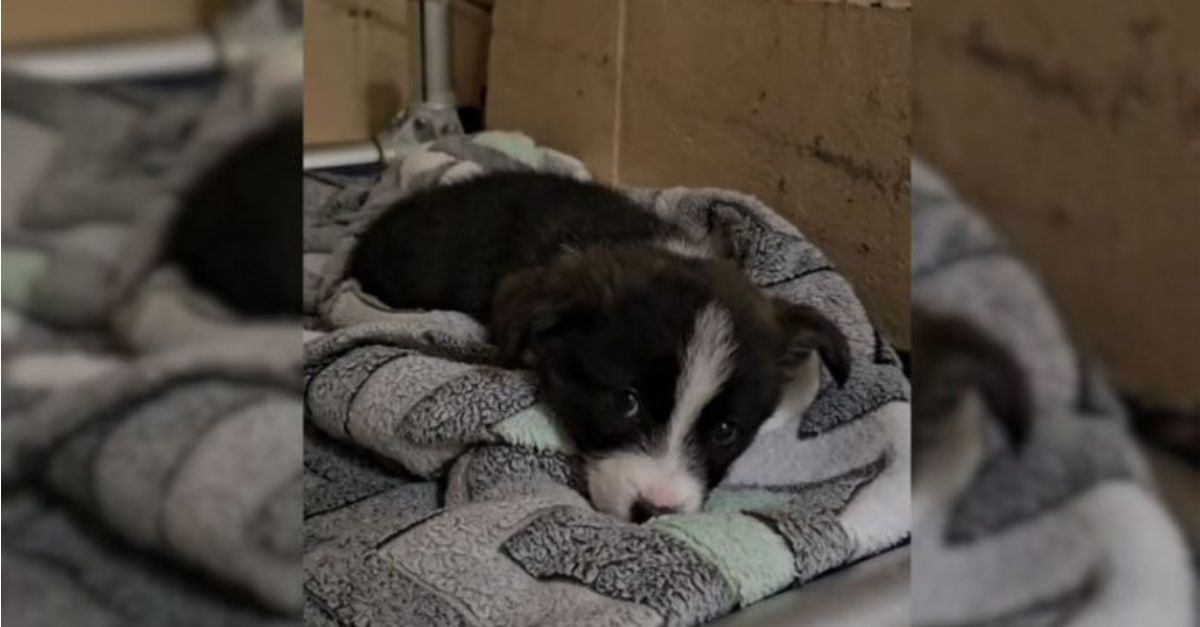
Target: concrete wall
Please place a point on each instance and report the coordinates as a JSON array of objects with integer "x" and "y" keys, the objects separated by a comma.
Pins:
[
  {"x": 356, "y": 63},
  {"x": 803, "y": 104},
  {"x": 47, "y": 21},
  {"x": 1079, "y": 135}
]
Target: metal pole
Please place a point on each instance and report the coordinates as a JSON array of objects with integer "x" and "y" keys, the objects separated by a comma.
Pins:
[
  {"x": 121, "y": 59},
  {"x": 338, "y": 155},
  {"x": 431, "y": 111},
  {"x": 434, "y": 76}
]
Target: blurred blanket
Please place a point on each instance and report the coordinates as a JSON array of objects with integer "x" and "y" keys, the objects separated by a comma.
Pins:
[
  {"x": 1070, "y": 529},
  {"x": 398, "y": 399},
  {"x": 151, "y": 438}
]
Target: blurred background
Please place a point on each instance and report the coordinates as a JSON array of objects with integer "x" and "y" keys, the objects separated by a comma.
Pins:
[
  {"x": 151, "y": 238},
  {"x": 1078, "y": 138},
  {"x": 1056, "y": 212}
]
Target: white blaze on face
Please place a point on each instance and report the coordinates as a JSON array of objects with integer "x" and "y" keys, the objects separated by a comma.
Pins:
[{"x": 660, "y": 472}]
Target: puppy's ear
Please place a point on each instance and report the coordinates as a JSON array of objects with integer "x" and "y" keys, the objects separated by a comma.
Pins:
[
  {"x": 951, "y": 356},
  {"x": 722, "y": 241},
  {"x": 806, "y": 330},
  {"x": 528, "y": 307}
]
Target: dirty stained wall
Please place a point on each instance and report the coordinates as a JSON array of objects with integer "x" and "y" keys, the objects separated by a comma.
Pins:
[
  {"x": 1080, "y": 139},
  {"x": 803, "y": 104},
  {"x": 32, "y": 22}
]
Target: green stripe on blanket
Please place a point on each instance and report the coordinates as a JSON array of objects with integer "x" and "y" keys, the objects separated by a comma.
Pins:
[
  {"x": 22, "y": 269},
  {"x": 532, "y": 428},
  {"x": 754, "y": 560}
]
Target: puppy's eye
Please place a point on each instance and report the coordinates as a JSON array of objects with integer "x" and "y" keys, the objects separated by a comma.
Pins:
[
  {"x": 629, "y": 403},
  {"x": 724, "y": 433}
]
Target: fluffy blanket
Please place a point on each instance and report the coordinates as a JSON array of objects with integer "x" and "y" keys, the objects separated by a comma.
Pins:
[
  {"x": 1068, "y": 531},
  {"x": 151, "y": 439},
  {"x": 399, "y": 399}
]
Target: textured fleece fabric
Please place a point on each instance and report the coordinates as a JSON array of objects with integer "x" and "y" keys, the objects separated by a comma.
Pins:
[{"x": 512, "y": 539}]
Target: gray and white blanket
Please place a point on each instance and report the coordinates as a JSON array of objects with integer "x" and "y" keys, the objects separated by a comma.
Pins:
[
  {"x": 438, "y": 490},
  {"x": 1068, "y": 531},
  {"x": 151, "y": 439}
]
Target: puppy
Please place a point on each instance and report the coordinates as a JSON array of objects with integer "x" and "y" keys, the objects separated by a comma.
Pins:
[{"x": 659, "y": 360}]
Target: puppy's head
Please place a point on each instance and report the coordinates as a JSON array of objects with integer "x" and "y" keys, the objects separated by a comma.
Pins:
[{"x": 660, "y": 369}]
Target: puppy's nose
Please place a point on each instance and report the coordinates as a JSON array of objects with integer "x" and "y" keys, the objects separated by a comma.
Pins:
[{"x": 644, "y": 510}]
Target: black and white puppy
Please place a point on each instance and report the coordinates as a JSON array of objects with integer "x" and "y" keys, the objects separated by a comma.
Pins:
[{"x": 659, "y": 360}]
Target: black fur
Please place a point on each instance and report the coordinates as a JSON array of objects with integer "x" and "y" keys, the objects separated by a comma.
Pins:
[
  {"x": 573, "y": 280},
  {"x": 632, "y": 311},
  {"x": 448, "y": 247},
  {"x": 237, "y": 235},
  {"x": 814, "y": 332}
]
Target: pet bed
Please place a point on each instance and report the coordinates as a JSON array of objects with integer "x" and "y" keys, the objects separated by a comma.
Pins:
[{"x": 402, "y": 403}]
